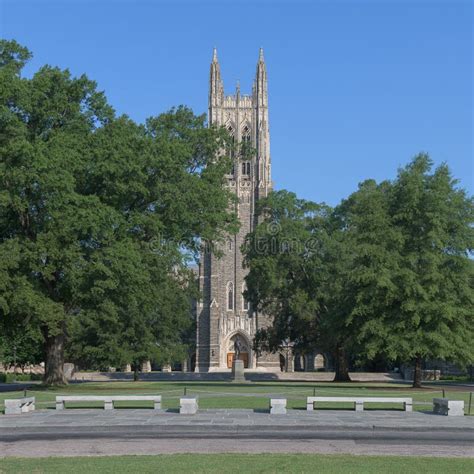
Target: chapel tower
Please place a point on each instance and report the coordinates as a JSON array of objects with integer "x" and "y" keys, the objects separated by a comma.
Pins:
[{"x": 223, "y": 314}]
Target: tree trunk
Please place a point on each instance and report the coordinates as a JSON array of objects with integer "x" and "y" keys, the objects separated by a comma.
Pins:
[
  {"x": 54, "y": 364},
  {"x": 342, "y": 369},
  {"x": 135, "y": 372},
  {"x": 417, "y": 376}
]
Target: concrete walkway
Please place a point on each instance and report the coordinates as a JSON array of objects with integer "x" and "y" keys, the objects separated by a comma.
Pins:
[
  {"x": 51, "y": 420},
  {"x": 142, "y": 431}
]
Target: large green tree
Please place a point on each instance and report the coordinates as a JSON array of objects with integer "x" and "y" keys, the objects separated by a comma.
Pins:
[
  {"x": 97, "y": 214},
  {"x": 386, "y": 274},
  {"x": 277, "y": 257},
  {"x": 297, "y": 259},
  {"x": 411, "y": 280}
]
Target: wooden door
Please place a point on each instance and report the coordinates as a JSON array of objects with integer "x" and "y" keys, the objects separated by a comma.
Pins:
[{"x": 244, "y": 356}]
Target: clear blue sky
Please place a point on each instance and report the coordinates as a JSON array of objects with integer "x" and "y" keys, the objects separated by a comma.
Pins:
[{"x": 356, "y": 87}]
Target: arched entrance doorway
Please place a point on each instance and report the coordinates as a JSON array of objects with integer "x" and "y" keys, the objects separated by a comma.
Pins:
[
  {"x": 319, "y": 362},
  {"x": 245, "y": 350}
]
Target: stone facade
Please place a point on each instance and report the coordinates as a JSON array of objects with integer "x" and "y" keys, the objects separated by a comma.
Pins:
[{"x": 223, "y": 314}]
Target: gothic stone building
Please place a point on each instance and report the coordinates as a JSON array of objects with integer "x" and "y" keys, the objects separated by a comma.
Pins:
[{"x": 224, "y": 315}]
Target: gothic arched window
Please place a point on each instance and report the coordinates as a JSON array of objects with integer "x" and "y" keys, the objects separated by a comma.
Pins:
[
  {"x": 231, "y": 146},
  {"x": 246, "y": 168},
  {"x": 245, "y": 302},
  {"x": 230, "y": 296},
  {"x": 246, "y": 135}
]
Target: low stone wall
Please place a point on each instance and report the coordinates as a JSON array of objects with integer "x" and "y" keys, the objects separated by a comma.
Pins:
[{"x": 25, "y": 369}]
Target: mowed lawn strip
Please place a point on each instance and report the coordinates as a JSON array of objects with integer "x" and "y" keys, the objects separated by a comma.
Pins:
[
  {"x": 254, "y": 395},
  {"x": 238, "y": 463}
]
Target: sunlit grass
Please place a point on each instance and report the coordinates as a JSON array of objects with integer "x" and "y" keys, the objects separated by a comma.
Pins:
[{"x": 237, "y": 463}]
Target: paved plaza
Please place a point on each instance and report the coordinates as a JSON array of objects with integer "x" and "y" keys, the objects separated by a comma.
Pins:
[
  {"x": 231, "y": 420},
  {"x": 142, "y": 431}
]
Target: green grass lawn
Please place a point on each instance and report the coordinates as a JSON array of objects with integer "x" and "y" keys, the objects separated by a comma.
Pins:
[
  {"x": 252, "y": 395},
  {"x": 237, "y": 463}
]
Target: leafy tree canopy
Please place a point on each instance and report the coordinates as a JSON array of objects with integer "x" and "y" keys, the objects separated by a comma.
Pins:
[
  {"x": 387, "y": 273},
  {"x": 411, "y": 280},
  {"x": 97, "y": 213}
]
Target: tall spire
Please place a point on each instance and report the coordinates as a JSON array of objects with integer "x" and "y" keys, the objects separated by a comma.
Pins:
[
  {"x": 216, "y": 87},
  {"x": 261, "y": 80}
]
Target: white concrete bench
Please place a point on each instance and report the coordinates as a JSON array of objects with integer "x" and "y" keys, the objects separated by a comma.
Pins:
[
  {"x": 109, "y": 400},
  {"x": 359, "y": 401},
  {"x": 188, "y": 405},
  {"x": 278, "y": 406},
  {"x": 443, "y": 406},
  {"x": 19, "y": 405}
]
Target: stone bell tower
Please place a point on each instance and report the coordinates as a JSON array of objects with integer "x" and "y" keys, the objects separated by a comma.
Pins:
[{"x": 224, "y": 315}]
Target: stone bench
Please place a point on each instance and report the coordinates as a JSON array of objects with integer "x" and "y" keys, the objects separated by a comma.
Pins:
[
  {"x": 19, "y": 405},
  {"x": 278, "y": 406},
  {"x": 359, "y": 401},
  {"x": 188, "y": 405},
  {"x": 109, "y": 400},
  {"x": 443, "y": 406}
]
